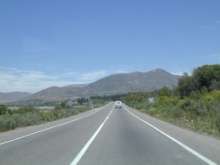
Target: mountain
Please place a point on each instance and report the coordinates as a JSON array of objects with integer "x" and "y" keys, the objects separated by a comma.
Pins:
[
  {"x": 58, "y": 93},
  {"x": 110, "y": 85},
  {"x": 133, "y": 82},
  {"x": 12, "y": 96}
]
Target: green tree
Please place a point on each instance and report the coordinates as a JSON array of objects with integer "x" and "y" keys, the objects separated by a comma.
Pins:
[
  {"x": 186, "y": 85},
  {"x": 204, "y": 78},
  {"x": 207, "y": 76}
]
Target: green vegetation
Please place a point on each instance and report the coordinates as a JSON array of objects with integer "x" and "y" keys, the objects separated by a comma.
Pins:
[
  {"x": 205, "y": 78},
  {"x": 194, "y": 103},
  {"x": 26, "y": 116}
]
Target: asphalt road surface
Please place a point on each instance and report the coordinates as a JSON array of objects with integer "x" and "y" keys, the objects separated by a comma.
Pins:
[{"x": 107, "y": 136}]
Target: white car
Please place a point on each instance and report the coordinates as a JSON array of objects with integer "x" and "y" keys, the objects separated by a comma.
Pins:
[{"x": 118, "y": 105}]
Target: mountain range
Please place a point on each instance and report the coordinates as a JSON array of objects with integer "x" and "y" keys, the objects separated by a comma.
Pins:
[
  {"x": 12, "y": 96},
  {"x": 111, "y": 85}
]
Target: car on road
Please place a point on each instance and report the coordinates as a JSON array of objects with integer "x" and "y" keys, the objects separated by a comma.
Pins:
[{"x": 118, "y": 105}]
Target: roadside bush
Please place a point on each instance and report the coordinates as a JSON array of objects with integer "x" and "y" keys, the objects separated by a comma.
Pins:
[
  {"x": 4, "y": 110},
  {"x": 26, "y": 109},
  {"x": 47, "y": 116},
  {"x": 26, "y": 119},
  {"x": 218, "y": 122},
  {"x": 59, "y": 113},
  {"x": 7, "y": 123}
]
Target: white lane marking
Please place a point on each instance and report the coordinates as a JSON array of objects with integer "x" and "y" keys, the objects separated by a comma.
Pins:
[
  {"x": 49, "y": 128},
  {"x": 192, "y": 151},
  {"x": 89, "y": 142}
]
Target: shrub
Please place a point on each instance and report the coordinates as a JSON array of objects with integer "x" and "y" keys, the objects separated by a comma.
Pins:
[
  {"x": 47, "y": 116},
  {"x": 3, "y": 110},
  {"x": 7, "y": 123},
  {"x": 26, "y": 119},
  {"x": 218, "y": 122},
  {"x": 26, "y": 109}
]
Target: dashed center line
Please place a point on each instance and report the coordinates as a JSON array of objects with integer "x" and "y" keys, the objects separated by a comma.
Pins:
[{"x": 87, "y": 145}]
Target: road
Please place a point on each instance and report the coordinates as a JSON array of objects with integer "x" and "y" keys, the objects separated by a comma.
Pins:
[{"x": 106, "y": 136}]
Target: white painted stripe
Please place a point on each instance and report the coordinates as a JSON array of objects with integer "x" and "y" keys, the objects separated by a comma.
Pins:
[
  {"x": 86, "y": 146},
  {"x": 49, "y": 128},
  {"x": 192, "y": 151}
]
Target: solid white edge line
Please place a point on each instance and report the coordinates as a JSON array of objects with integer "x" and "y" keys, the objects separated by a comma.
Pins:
[
  {"x": 192, "y": 151},
  {"x": 89, "y": 142},
  {"x": 52, "y": 127}
]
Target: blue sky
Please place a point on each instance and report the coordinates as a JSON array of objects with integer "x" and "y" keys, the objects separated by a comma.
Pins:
[{"x": 54, "y": 42}]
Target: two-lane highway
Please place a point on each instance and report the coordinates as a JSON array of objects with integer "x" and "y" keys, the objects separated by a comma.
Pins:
[{"x": 109, "y": 136}]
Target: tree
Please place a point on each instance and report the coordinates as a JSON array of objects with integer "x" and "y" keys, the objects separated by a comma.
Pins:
[
  {"x": 186, "y": 85},
  {"x": 207, "y": 76},
  {"x": 204, "y": 78}
]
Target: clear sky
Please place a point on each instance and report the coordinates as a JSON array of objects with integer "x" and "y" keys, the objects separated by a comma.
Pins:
[{"x": 59, "y": 42}]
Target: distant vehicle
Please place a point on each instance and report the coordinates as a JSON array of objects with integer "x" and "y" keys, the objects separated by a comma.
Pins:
[{"x": 118, "y": 105}]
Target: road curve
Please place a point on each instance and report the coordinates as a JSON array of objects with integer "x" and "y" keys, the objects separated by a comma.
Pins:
[{"x": 108, "y": 136}]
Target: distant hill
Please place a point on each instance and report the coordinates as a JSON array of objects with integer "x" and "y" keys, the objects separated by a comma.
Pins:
[
  {"x": 58, "y": 93},
  {"x": 110, "y": 85},
  {"x": 133, "y": 82},
  {"x": 12, "y": 96}
]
